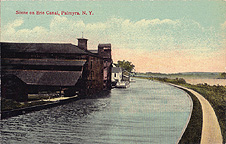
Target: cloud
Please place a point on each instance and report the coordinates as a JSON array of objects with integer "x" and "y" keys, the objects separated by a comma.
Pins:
[
  {"x": 12, "y": 32},
  {"x": 10, "y": 27},
  {"x": 223, "y": 26},
  {"x": 148, "y": 34},
  {"x": 151, "y": 44},
  {"x": 16, "y": 23}
]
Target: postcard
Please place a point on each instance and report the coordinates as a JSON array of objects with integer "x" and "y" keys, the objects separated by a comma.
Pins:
[{"x": 126, "y": 71}]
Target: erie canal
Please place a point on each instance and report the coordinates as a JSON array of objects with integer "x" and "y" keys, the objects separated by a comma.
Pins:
[{"x": 147, "y": 112}]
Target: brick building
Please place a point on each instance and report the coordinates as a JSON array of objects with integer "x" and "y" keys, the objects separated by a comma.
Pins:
[
  {"x": 104, "y": 50},
  {"x": 35, "y": 67}
]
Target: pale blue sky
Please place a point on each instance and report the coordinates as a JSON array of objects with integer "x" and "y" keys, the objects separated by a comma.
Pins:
[
  {"x": 193, "y": 30},
  {"x": 207, "y": 13}
]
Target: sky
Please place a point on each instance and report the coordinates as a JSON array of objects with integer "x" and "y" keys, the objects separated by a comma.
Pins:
[{"x": 156, "y": 36}]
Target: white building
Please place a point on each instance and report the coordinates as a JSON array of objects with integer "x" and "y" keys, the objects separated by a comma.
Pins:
[{"x": 116, "y": 75}]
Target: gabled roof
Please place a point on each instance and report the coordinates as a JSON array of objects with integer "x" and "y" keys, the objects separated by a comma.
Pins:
[
  {"x": 116, "y": 70},
  {"x": 55, "y": 62},
  {"x": 41, "y": 48},
  {"x": 47, "y": 78}
]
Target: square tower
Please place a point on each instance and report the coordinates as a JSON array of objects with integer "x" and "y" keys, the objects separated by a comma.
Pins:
[
  {"x": 82, "y": 43},
  {"x": 104, "y": 50}
]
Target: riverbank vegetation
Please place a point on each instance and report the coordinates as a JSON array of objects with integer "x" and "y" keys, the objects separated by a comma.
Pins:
[
  {"x": 216, "y": 95},
  {"x": 223, "y": 75},
  {"x": 125, "y": 65}
]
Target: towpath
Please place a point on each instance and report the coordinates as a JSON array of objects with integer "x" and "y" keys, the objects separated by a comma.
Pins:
[
  {"x": 59, "y": 98},
  {"x": 54, "y": 99},
  {"x": 211, "y": 132}
]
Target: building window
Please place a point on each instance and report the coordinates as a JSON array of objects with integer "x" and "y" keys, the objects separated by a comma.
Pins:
[
  {"x": 92, "y": 75},
  {"x": 115, "y": 74},
  {"x": 91, "y": 64}
]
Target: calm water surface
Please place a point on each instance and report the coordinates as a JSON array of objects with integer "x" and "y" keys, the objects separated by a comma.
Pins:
[
  {"x": 147, "y": 112},
  {"x": 208, "y": 81}
]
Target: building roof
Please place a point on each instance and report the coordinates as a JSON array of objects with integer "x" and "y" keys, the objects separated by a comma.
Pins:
[
  {"x": 82, "y": 39},
  {"x": 104, "y": 45},
  {"x": 41, "y": 48},
  {"x": 116, "y": 70},
  {"x": 48, "y": 78},
  {"x": 55, "y": 62},
  {"x": 94, "y": 51}
]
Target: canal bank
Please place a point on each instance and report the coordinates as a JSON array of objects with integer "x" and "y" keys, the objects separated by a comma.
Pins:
[
  {"x": 211, "y": 131},
  {"x": 147, "y": 112},
  {"x": 49, "y": 103}
]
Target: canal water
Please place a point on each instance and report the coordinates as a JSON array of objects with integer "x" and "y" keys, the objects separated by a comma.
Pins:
[{"x": 147, "y": 112}]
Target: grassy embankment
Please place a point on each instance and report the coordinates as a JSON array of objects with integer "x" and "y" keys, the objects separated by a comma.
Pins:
[{"x": 216, "y": 95}]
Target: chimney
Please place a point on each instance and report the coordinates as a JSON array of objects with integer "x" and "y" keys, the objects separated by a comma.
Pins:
[{"x": 82, "y": 43}]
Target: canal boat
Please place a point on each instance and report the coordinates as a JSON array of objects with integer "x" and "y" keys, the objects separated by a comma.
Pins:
[{"x": 122, "y": 84}]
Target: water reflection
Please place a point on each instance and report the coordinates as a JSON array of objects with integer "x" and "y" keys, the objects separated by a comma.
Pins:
[{"x": 147, "y": 112}]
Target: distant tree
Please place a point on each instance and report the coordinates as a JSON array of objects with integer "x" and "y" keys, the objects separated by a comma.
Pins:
[
  {"x": 223, "y": 75},
  {"x": 181, "y": 81},
  {"x": 125, "y": 65}
]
